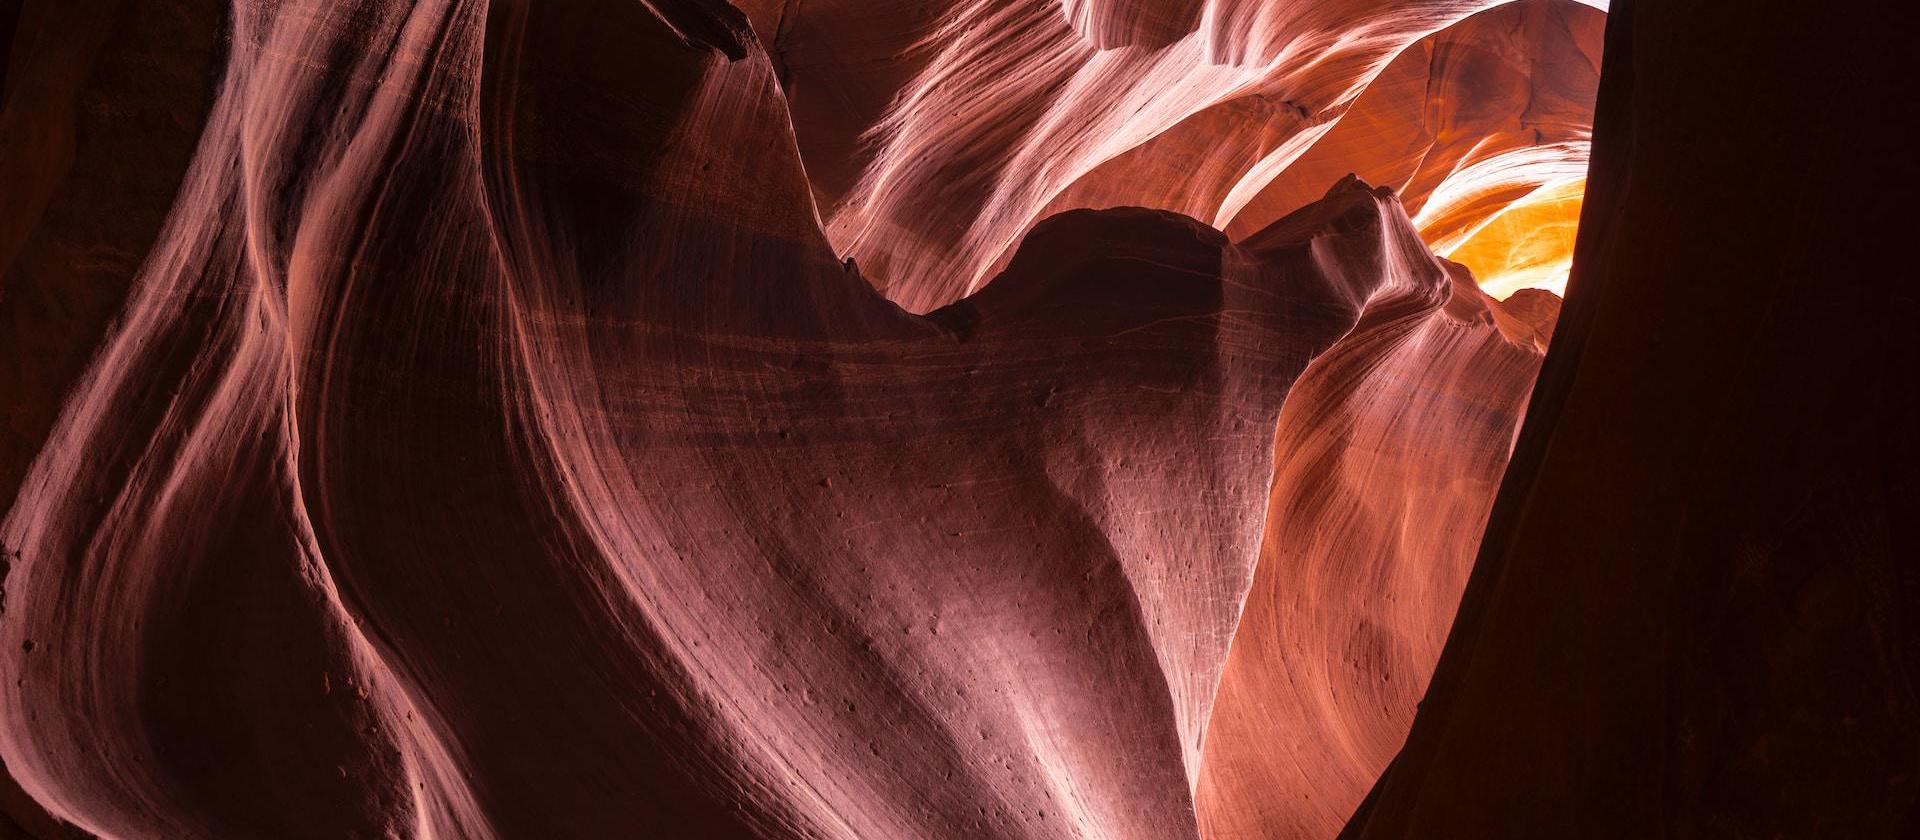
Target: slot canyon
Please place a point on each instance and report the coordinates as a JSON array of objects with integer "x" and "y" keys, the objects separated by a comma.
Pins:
[{"x": 1039, "y": 419}]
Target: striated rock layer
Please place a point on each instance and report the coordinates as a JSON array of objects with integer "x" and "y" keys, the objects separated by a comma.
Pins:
[
  {"x": 1385, "y": 462},
  {"x": 936, "y": 134},
  {"x": 1695, "y": 613},
  {"x": 459, "y": 419},
  {"x": 469, "y": 431}
]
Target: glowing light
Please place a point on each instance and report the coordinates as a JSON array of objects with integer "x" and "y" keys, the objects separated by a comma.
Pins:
[{"x": 1527, "y": 245}]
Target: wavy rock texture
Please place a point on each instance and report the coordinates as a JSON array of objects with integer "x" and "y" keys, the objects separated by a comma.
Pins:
[
  {"x": 454, "y": 419},
  {"x": 1483, "y": 129},
  {"x": 1387, "y": 456},
  {"x": 1696, "y": 611},
  {"x": 928, "y": 171}
]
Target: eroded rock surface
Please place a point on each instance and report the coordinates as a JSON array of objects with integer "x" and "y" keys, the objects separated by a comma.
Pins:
[{"x": 455, "y": 419}]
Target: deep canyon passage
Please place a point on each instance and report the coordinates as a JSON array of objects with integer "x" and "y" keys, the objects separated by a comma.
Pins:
[{"x": 958, "y": 419}]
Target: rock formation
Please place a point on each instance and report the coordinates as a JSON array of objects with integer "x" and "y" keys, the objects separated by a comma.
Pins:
[
  {"x": 964, "y": 419},
  {"x": 1694, "y": 612},
  {"x": 488, "y": 443},
  {"x": 936, "y": 134},
  {"x": 1386, "y": 458}
]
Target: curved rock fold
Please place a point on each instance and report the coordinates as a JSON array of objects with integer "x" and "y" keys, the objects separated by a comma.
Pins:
[{"x": 488, "y": 439}]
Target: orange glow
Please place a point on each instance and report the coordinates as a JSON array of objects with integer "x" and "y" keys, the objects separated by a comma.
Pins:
[{"x": 1527, "y": 245}]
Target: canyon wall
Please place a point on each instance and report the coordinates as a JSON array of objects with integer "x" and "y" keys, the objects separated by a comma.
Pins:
[
  {"x": 954, "y": 420},
  {"x": 1694, "y": 614},
  {"x": 451, "y": 419}
]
